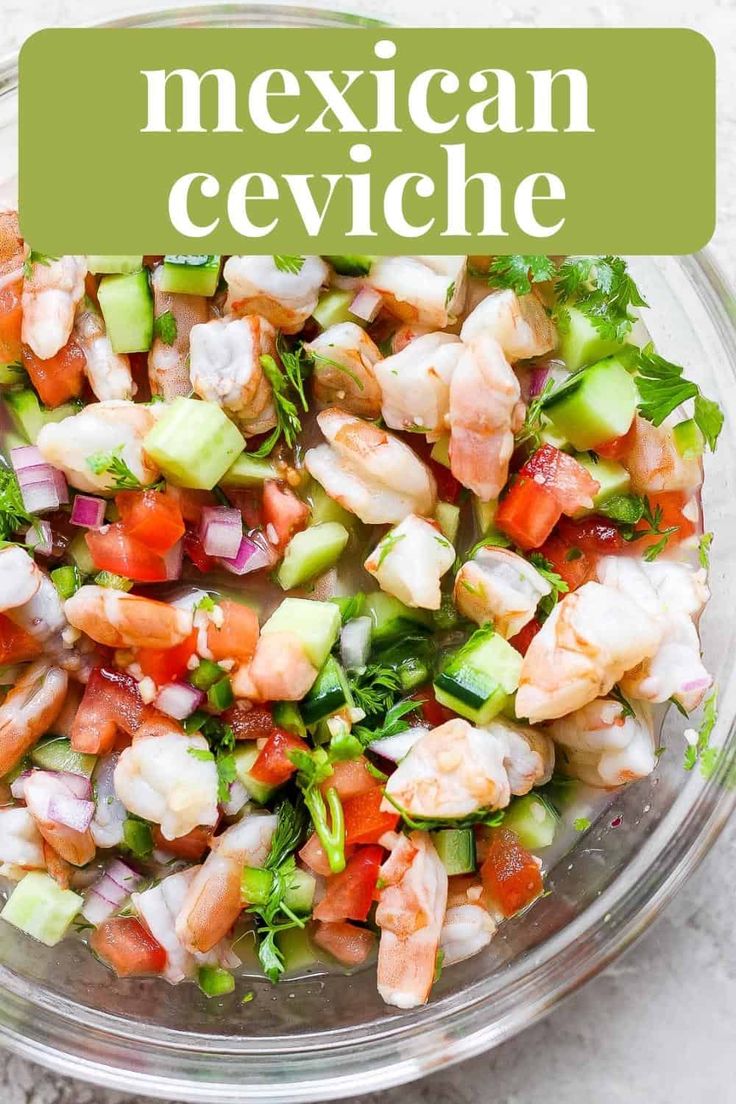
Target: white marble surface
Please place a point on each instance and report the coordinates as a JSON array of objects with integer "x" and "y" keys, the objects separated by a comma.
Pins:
[{"x": 659, "y": 1026}]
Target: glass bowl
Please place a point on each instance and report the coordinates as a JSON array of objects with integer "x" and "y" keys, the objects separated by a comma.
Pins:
[{"x": 330, "y": 1036}]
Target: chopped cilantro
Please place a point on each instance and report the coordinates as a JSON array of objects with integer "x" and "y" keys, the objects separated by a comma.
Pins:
[
  {"x": 111, "y": 463},
  {"x": 601, "y": 288},
  {"x": 520, "y": 272},
  {"x": 581, "y": 824},
  {"x": 702, "y": 751},
  {"x": 165, "y": 328},
  {"x": 558, "y": 584},
  {"x": 290, "y": 265},
  {"x": 626, "y": 710},
  {"x": 704, "y": 544},
  {"x": 387, "y": 545},
  {"x": 662, "y": 388}
]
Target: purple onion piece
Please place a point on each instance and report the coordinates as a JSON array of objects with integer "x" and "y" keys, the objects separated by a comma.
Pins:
[{"x": 88, "y": 511}]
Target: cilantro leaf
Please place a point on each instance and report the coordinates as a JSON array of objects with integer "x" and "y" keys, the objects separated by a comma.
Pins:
[
  {"x": 393, "y": 723},
  {"x": 290, "y": 265},
  {"x": 601, "y": 288},
  {"x": 702, "y": 751},
  {"x": 661, "y": 386},
  {"x": 704, "y": 550},
  {"x": 626, "y": 710},
  {"x": 35, "y": 258},
  {"x": 558, "y": 584},
  {"x": 111, "y": 463},
  {"x": 581, "y": 824},
  {"x": 385, "y": 546},
  {"x": 13, "y": 514},
  {"x": 375, "y": 689},
  {"x": 709, "y": 420},
  {"x": 288, "y": 424},
  {"x": 625, "y": 508},
  {"x": 519, "y": 272},
  {"x": 165, "y": 328},
  {"x": 322, "y": 358},
  {"x": 534, "y": 419},
  {"x": 290, "y": 829}
]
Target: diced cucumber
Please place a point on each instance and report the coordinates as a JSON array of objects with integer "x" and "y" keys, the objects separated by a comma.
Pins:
[
  {"x": 195, "y": 275},
  {"x": 58, "y": 755},
  {"x": 548, "y": 435},
  {"x": 533, "y": 820},
  {"x": 249, "y": 471},
  {"x": 612, "y": 477},
  {"x": 41, "y": 908},
  {"x": 324, "y": 508},
  {"x": 317, "y": 624},
  {"x": 582, "y": 343},
  {"x": 595, "y": 405},
  {"x": 689, "y": 439},
  {"x": 214, "y": 981},
  {"x": 311, "y": 552},
  {"x": 392, "y": 619},
  {"x": 411, "y": 660},
  {"x": 333, "y": 307},
  {"x": 351, "y": 264},
  {"x": 441, "y": 451},
  {"x": 446, "y": 617},
  {"x": 329, "y": 693},
  {"x": 296, "y": 948},
  {"x": 448, "y": 517},
  {"x": 126, "y": 303},
  {"x": 29, "y": 416},
  {"x": 12, "y": 375},
  {"x": 67, "y": 580},
  {"x": 105, "y": 264},
  {"x": 80, "y": 553},
  {"x": 456, "y": 849},
  {"x": 245, "y": 757},
  {"x": 194, "y": 443},
  {"x": 349, "y": 605},
  {"x": 479, "y": 676},
  {"x": 287, "y": 715},
  {"x": 299, "y": 893},
  {"x": 256, "y": 883},
  {"x": 484, "y": 513}
]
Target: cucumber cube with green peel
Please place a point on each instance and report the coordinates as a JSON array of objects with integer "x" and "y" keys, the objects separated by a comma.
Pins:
[
  {"x": 456, "y": 849},
  {"x": 245, "y": 756},
  {"x": 58, "y": 754},
  {"x": 392, "y": 620},
  {"x": 249, "y": 471},
  {"x": 329, "y": 693},
  {"x": 190, "y": 275},
  {"x": 333, "y": 307},
  {"x": 448, "y": 517},
  {"x": 484, "y": 513},
  {"x": 533, "y": 820},
  {"x": 41, "y": 908},
  {"x": 194, "y": 443},
  {"x": 479, "y": 677},
  {"x": 689, "y": 439},
  {"x": 324, "y": 508},
  {"x": 109, "y": 264},
  {"x": 311, "y": 552},
  {"x": 296, "y": 949},
  {"x": 612, "y": 478},
  {"x": 595, "y": 405},
  {"x": 582, "y": 343},
  {"x": 29, "y": 416},
  {"x": 81, "y": 555},
  {"x": 351, "y": 264},
  {"x": 126, "y": 303},
  {"x": 286, "y": 715},
  {"x": 317, "y": 624}
]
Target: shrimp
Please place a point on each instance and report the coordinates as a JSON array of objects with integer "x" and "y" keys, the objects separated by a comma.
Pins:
[
  {"x": 20, "y": 577},
  {"x": 12, "y": 249},
  {"x": 410, "y": 561},
  {"x": 121, "y": 620},
  {"x": 345, "y": 369},
  {"x": 485, "y": 412},
  {"x": 674, "y": 594},
  {"x": 108, "y": 372},
  {"x": 114, "y": 427},
  {"x": 225, "y": 368},
  {"x": 529, "y": 754},
  {"x": 34, "y": 605},
  {"x": 426, "y": 290},
  {"x": 170, "y": 780},
  {"x": 168, "y": 363},
  {"x": 279, "y": 671},
  {"x": 21, "y": 844},
  {"x": 410, "y": 914},
  {"x": 519, "y": 323},
  {"x": 405, "y": 335},
  {"x": 591, "y": 638},
  {"x": 256, "y": 285},
  {"x": 466, "y": 930},
  {"x": 604, "y": 746},
  {"x": 213, "y": 901},
  {"x": 370, "y": 472},
  {"x": 500, "y": 586},
  {"x": 451, "y": 771},
  {"x": 415, "y": 384},
  {"x": 30, "y": 708},
  {"x": 51, "y": 295},
  {"x": 159, "y": 907},
  {"x": 654, "y": 463},
  {"x": 50, "y": 796}
]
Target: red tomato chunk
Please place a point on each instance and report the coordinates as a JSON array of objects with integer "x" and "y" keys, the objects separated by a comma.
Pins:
[
  {"x": 349, "y": 894},
  {"x": 124, "y": 944},
  {"x": 510, "y": 875}
]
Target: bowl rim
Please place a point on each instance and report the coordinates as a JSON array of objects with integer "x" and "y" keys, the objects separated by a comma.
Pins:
[{"x": 626, "y": 912}]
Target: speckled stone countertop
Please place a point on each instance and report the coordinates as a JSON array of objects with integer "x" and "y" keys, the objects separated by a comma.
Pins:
[{"x": 658, "y": 1027}]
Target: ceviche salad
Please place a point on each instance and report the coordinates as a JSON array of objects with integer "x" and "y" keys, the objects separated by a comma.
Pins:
[{"x": 317, "y": 575}]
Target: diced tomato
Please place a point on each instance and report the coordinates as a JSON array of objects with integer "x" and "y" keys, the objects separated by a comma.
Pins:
[
  {"x": 273, "y": 765},
  {"x": 668, "y": 505},
  {"x": 194, "y": 549},
  {"x": 511, "y": 877},
  {"x": 167, "y": 664},
  {"x": 430, "y": 710},
  {"x": 190, "y": 502},
  {"x": 10, "y": 323},
  {"x": 152, "y": 518},
  {"x": 618, "y": 447},
  {"x": 347, "y": 943},
  {"x": 237, "y": 637},
  {"x": 570, "y": 483},
  {"x": 249, "y": 500},
  {"x": 112, "y": 549},
  {"x": 349, "y": 778},
  {"x": 111, "y": 700},
  {"x": 313, "y": 855},
  {"x": 248, "y": 724},
  {"x": 16, "y": 645},
  {"x": 365, "y": 821},
  {"x": 523, "y": 639},
  {"x": 528, "y": 513},
  {"x": 594, "y": 535},
  {"x": 569, "y": 561},
  {"x": 59, "y": 378},
  {"x": 350, "y": 894},
  {"x": 123, "y": 943},
  {"x": 191, "y": 847},
  {"x": 283, "y": 513}
]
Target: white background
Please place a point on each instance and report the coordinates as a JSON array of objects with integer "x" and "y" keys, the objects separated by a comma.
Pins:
[{"x": 659, "y": 1026}]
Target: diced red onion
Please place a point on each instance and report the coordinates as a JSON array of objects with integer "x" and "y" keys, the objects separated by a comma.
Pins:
[
  {"x": 366, "y": 304},
  {"x": 32, "y": 471},
  {"x": 78, "y": 785},
  {"x": 88, "y": 511},
  {"x": 538, "y": 379},
  {"x": 108, "y": 893},
  {"x": 237, "y": 799},
  {"x": 126, "y": 878},
  {"x": 62, "y": 488},
  {"x": 173, "y": 561},
  {"x": 221, "y": 531},
  {"x": 39, "y": 495},
  {"x": 394, "y": 748},
  {"x": 355, "y": 643},
  {"x": 40, "y": 538},
  {"x": 18, "y": 786},
  {"x": 252, "y": 556},
  {"x": 71, "y": 811},
  {"x": 178, "y": 699},
  {"x": 26, "y": 456}
]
